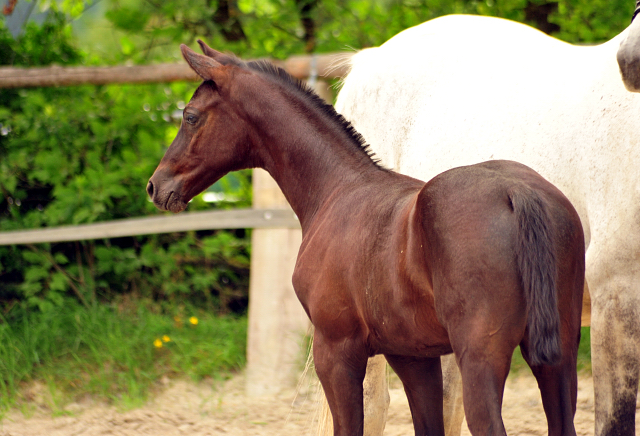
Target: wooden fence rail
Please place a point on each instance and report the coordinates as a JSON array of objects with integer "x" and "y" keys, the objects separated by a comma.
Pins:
[
  {"x": 211, "y": 220},
  {"x": 333, "y": 65}
]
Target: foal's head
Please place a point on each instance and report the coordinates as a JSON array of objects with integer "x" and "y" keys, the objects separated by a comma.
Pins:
[
  {"x": 247, "y": 115},
  {"x": 215, "y": 135}
]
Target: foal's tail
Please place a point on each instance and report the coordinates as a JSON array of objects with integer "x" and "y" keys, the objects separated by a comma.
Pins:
[{"x": 536, "y": 257}]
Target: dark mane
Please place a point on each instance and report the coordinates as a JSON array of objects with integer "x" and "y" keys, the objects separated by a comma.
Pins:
[{"x": 328, "y": 110}]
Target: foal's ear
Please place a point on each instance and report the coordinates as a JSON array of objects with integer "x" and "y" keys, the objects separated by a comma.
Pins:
[
  {"x": 216, "y": 55},
  {"x": 203, "y": 65}
]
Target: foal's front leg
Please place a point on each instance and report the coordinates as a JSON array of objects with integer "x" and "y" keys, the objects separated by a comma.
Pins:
[
  {"x": 341, "y": 367},
  {"x": 422, "y": 381}
]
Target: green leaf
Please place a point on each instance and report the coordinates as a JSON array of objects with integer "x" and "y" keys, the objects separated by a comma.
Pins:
[
  {"x": 60, "y": 258},
  {"x": 34, "y": 257},
  {"x": 127, "y": 46},
  {"x": 58, "y": 283},
  {"x": 130, "y": 19},
  {"x": 35, "y": 274}
]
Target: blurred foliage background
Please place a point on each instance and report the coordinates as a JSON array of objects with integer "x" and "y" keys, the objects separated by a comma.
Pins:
[
  {"x": 82, "y": 154},
  {"x": 75, "y": 155}
]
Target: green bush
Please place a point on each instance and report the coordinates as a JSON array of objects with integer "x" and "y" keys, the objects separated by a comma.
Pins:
[{"x": 77, "y": 155}]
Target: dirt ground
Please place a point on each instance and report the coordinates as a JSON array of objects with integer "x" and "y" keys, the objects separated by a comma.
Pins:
[{"x": 185, "y": 408}]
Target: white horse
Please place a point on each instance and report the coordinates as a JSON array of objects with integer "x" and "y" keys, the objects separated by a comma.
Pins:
[{"x": 459, "y": 90}]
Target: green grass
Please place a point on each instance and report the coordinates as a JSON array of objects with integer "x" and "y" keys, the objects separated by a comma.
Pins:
[
  {"x": 111, "y": 354},
  {"x": 117, "y": 355},
  {"x": 518, "y": 364}
]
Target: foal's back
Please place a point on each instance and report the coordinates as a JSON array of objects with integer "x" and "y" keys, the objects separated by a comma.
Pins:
[{"x": 485, "y": 226}]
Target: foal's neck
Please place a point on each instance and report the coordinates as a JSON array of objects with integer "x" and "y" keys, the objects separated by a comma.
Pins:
[{"x": 312, "y": 152}]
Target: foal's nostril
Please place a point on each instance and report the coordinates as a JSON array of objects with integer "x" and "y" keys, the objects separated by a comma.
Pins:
[{"x": 150, "y": 189}]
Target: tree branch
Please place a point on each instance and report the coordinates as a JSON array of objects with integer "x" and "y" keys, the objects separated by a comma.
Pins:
[
  {"x": 305, "y": 9},
  {"x": 227, "y": 18}
]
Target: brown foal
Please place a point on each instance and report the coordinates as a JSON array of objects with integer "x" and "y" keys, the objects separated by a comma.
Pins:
[{"x": 476, "y": 261}]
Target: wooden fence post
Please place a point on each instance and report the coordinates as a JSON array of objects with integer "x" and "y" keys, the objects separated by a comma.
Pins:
[{"x": 277, "y": 322}]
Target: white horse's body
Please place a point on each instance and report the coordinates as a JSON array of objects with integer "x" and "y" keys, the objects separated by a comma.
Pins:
[{"x": 459, "y": 90}]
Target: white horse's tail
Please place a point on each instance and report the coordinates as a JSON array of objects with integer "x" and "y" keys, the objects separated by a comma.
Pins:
[{"x": 324, "y": 418}]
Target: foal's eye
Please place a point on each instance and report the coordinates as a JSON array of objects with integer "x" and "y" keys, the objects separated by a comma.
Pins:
[{"x": 190, "y": 118}]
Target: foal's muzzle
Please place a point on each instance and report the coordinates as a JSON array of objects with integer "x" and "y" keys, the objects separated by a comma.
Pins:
[
  {"x": 150, "y": 189},
  {"x": 166, "y": 194}
]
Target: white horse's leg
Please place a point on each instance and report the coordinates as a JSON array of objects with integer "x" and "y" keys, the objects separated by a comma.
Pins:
[
  {"x": 615, "y": 355},
  {"x": 376, "y": 396},
  {"x": 453, "y": 408}
]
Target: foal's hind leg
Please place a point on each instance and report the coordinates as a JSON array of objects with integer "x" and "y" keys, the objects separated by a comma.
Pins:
[
  {"x": 422, "y": 380},
  {"x": 559, "y": 389},
  {"x": 559, "y": 383},
  {"x": 483, "y": 387},
  {"x": 484, "y": 358},
  {"x": 341, "y": 368}
]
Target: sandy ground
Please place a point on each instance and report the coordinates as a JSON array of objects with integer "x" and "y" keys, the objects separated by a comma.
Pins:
[{"x": 203, "y": 409}]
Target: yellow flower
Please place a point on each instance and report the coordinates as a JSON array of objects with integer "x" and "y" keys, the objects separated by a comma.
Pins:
[
  {"x": 193, "y": 320},
  {"x": 166, "y": 338},
  {"x": 157, "y": 343}
]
